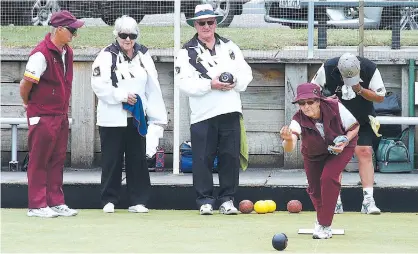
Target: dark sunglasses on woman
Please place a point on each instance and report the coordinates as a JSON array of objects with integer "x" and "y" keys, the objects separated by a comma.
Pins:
[
  {"x": 131, "y": 36},
  {"x": 310, "y": 102}
]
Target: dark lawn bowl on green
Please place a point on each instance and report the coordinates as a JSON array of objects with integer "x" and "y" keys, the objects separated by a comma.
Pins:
[{"x": 187, "y": 232}]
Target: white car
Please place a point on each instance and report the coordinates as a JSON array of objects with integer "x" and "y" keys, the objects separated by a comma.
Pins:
[
  {"x": 344, "y": 13},
  {"x": 38, "y": 12}
]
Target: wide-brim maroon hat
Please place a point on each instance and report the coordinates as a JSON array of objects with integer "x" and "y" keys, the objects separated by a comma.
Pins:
[{"x": 307, "y": 91}]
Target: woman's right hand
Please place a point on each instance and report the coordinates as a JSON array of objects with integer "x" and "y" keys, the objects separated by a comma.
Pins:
[
  {"x": 286, "y": 133},
  {"x": 131, "y": 99},
  {"x": 215, "y": 84}
]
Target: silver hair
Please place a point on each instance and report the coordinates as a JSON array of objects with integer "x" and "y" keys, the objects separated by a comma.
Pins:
[{"x": 125, "y": 24}]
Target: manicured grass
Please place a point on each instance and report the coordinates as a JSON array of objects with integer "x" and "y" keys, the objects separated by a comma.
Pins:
[
  {"x": 186, "y": 231},
  {"x": 246, "y": 38}
]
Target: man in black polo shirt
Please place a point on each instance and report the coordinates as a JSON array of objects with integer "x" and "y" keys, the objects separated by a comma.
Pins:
[{"x": 357, "y": 82}]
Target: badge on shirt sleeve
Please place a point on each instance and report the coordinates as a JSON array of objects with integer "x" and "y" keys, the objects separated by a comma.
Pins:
[
  {"x": 177, "y": 69},
  {"x": 96, "y": 72}
]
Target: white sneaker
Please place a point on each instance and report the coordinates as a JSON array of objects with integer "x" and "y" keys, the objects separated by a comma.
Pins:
[
  {"x": 369, "y": 206},
  {"x": 316, "y": 226},
  {"x": 228, "y": 208},
  {"x": 109, "y": 208},
  {"x": 45, "y": 212},
  {"x": 206, "y": 209},
  {"x": 321, "y": 232},
  {"x": 138, "y": 209},
  {"x": 64, "y": 210},
  {"x": 339, "y": 207}
]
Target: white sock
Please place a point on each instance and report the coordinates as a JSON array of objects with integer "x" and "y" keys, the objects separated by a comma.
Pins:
[
  {"x": 368, "y": 192},
  {"x": 339, "y": 198}
]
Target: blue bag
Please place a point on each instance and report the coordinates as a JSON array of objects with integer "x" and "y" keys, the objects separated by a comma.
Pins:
[{"x": 186, "y": 158}]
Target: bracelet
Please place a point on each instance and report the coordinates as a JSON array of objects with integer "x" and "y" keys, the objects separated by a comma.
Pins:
[{"x": 360, "y": 91}]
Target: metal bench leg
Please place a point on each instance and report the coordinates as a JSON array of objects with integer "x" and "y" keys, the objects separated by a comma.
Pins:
[{"x": 14, "y": 164}]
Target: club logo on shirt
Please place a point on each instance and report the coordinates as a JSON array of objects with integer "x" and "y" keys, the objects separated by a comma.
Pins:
[
  {"x": 232, "y": 54},
  {"x": 31, "y": 72},
  {"x": 338, "y": 89},
  {"x": 96, "y": 72},
  {"x": 177, "y": 69}
]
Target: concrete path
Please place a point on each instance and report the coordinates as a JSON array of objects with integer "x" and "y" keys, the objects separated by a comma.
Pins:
[{"x": 251, "y": 177}]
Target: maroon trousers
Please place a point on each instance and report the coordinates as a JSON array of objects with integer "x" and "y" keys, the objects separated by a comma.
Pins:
[
  {"x": 324, "y": 185},
  {"x": 47, "y": 141}
]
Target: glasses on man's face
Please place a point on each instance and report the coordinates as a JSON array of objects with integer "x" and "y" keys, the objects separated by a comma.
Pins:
[
  {"x": 309, "y": 102},
  {"x": 72, "y": 30},
  {"x": 131, "y": 36},
  {"x": 203, "y": 23}
]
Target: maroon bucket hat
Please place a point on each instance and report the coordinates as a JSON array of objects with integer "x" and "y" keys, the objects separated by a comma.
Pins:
[{"x": 307, "y": 91}]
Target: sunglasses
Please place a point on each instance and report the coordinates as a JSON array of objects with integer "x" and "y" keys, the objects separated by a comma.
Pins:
[
  {"x": 310, "y": 102},
  {"x": 131, "y": 36},
  {"x": 72, "y": 30},
  {"x": 203, "y": 23}
]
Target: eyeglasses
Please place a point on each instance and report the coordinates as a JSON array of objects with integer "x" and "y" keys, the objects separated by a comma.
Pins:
[
  {"x": 131, "y": 36},
  {"x": 203, "y": 23},
  {"x": 310, "y": 102},
  {"x": 72, "y": 30}
]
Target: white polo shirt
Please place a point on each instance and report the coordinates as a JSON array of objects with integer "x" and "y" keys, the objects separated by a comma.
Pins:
[
  {"x": 347, "y": 119},
  {"x": 37, "y": 65},
  {"x": 376, "y": 83}
]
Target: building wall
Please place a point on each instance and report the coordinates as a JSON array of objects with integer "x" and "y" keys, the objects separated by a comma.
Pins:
[{"x": 266, "y": 108}]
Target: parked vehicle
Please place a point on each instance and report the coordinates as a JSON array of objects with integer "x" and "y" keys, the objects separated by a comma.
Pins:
[
  {"x": 294, "y": 13},
  {"x": 38, "y": 12}
]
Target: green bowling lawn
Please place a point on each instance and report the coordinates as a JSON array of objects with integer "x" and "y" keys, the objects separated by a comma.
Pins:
[
  {"x": 246, "y": 38},
  {"x": 186, "y": 231}
]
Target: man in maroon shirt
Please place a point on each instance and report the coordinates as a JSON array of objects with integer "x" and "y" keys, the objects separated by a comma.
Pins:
[{"x": 45, "y": 90}]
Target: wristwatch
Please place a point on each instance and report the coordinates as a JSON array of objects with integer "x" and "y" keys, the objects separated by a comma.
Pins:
[{"x": 360, "y": 90}]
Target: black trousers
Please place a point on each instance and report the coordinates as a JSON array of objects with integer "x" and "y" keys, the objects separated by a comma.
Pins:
[
  {"x": 220, "y": 136},
  {"x": 115, "y": 142}
]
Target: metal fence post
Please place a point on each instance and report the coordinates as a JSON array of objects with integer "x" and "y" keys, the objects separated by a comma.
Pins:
[
  {"x": 361, "y": 29},
  {"x": 311, "y": 21},
  {"x": 322, "y": 27},
  {"x": 176, "y": 129},
  {"x": 396, "y": 29}
]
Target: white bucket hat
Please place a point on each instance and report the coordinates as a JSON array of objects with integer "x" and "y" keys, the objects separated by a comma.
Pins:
[{"x": 204, "y": 11}]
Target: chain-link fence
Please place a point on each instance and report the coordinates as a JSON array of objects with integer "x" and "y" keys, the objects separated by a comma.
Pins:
[{"x": 264, "y": 27}]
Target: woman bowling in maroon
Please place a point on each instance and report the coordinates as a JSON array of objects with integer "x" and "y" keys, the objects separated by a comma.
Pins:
[{"x": 328, "y": 132}]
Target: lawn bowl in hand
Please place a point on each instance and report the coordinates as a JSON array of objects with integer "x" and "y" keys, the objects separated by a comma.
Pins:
[{"x": 226, "y": 77}]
